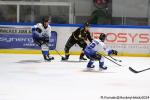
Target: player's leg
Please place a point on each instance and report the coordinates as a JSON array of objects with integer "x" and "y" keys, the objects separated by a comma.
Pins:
[
  {"x": 43, "y": 43},
  {"x": 90, "y": 64},
  {"x": 91, "y": 58},
  {"x": 45, "y": 52},
  {"x": 37, "y": 40},
  {"x": 82, "y": 44},
  {"x": 66, "y": 53},
  {"x": 68, "y": 45},
  {"x": 101, "y": 63},
  {"x": 82, "y": 56}
]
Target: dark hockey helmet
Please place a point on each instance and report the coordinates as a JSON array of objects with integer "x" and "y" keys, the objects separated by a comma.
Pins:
[
  {"x": 45, "y": 19},
  {"x": 86, "y": 24},
  {"x": 102, "y": 37}
]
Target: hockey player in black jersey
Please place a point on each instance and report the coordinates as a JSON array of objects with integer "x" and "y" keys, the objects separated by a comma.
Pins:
[{"x": 79, "y": 36}]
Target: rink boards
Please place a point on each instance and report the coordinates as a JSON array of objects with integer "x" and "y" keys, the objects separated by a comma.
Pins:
[{"x": 128, "y": 40}]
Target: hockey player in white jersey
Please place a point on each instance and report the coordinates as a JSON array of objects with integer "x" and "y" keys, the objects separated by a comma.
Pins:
[
  {"x": 93, "y": 50},
  {"x": 41, "y": 33}
]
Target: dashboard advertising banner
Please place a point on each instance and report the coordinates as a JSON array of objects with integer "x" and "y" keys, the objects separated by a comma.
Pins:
[{"x": 21, "y": 37}]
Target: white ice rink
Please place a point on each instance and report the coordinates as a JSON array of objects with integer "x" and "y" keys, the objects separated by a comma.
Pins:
[{"x": 28, "y": 77}]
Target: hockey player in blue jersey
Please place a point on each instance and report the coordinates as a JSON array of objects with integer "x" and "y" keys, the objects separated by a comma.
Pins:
[
  {"x": 41, "y": 32},
  {"x": 93, "y": 50}
]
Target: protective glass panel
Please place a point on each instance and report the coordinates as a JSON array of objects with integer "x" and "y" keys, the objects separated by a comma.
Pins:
[
  {"x": 112, "y": 12},
  {"x": 8, "y": 13},
  {"x": 58, "y": 14}
]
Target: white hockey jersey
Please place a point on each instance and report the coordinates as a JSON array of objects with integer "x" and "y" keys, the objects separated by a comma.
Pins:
[
  {"x": 96, "y": 46},
  {"x": 45, "y": 32}
]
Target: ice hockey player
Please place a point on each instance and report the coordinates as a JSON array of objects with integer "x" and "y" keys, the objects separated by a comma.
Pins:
[
  {"x": 79, "y": 36},
  {"x": 93, "y": 52},
  {"x": 41, "y": 33}
]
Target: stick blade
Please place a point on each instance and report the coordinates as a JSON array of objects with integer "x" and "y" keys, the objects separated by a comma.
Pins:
[
  {"x": 132, "y": 70},
  {"x": 120, "y": 60}
]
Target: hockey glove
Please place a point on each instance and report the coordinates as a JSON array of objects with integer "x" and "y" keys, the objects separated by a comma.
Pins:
[
  {"x": 115, "y": 52},
  {"x": 45, "y": 35},
  {"x": 38, "y": 30}
]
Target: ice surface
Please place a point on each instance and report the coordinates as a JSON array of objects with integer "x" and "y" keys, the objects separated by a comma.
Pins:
[{"x": 28, "y": 77}]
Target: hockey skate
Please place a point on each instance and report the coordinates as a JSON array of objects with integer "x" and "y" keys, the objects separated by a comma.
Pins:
[
  {"x": 65, "y": 58},
  {"x": 90, "y": 66},
  {"x": 101, "y": 68},
  {"x": 82, "y": 59},
  {"x": 48, "y": 58}
]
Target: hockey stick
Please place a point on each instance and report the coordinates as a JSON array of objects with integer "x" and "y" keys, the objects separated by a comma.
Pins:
[
  {"x": 112, "y": 60},
  {"x": 115, "y": 59},
  {"x": 130, "y": 68},
  {"x": 58, "y": 53},
  {"x": 109, "y": 59},
  {"x": 134, "y": 71}
]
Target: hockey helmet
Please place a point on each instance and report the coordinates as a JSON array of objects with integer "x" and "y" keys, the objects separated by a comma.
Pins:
[
  {"x": 102, "y": 37},
  {"x": 86, "y": 24},
  {"x": 45, "y": 19}
]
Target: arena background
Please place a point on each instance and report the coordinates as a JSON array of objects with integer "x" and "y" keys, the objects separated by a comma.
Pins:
[{"x": 125, "y": 22}]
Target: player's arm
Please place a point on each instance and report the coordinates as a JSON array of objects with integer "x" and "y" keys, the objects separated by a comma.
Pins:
[
  {"x": 36, "y": 31},
  {"x": 49, "y": 31},
  {"x": 110, "y": 52},
  {"x": 106, "y": 51},
  {"x": 89, "y": 36},
  {"x": 76, "y": 34},
  {"x": 101, "y": 49}
]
